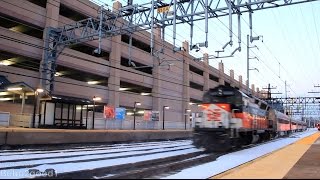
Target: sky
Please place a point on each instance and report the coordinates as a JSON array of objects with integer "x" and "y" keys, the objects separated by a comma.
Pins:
[{"x": 289, "y": 52}]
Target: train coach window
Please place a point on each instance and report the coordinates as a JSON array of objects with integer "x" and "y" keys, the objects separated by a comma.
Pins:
[{"x": 282, "y": 121}]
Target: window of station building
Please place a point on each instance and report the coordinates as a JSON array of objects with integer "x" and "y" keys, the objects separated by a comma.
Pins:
[
  {"x": 195, "y": 70},
  {"x": 87, "y": 49},
  {"x": 213, "y": 78},
  {"x": 136, "y": 43},
  {"x": 134, "y": 88},
  {"x": 15, "y": 60},
  {"x": 17, "y": 25},
  {"x": 125, "y": 62},
  {"x": 196, "y": 86},
  {"x": 227, "y": 84},
  {"x": 90, "y": 78},
  {"x": 70, "y": 13},
  {"x": 42, "y": 3}
]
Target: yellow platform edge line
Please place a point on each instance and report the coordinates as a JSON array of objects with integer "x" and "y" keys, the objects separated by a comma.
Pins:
[{"x": 306, "y": 140}]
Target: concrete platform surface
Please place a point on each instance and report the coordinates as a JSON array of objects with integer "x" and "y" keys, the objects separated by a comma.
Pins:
[
  {"x": 299, "y": 160},
  {"x": 29, "y": 136}
]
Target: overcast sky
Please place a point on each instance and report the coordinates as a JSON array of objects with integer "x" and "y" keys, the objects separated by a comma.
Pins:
[{"x": 289, "y": 52}]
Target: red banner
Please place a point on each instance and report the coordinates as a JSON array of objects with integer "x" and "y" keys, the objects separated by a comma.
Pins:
[
  {"x": 108, "y": 112},
  {"x": 147, "y": 115}
]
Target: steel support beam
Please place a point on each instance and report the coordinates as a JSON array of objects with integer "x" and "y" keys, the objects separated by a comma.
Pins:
[{"x": 135, "y": 17}]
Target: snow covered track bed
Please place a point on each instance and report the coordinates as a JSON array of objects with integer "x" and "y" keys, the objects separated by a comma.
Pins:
[
  {"x": 136, "y": 160},
  {"x": 162, "y": 159}
]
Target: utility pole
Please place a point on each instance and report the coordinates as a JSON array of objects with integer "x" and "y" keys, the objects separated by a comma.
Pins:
[
  {"x": 269, "y": 91},
  {"x": 248, "y": 64},
  {"x": 269, "y": 98},
  {"x": 285, "y": 89},
  {"x": 248, "y": 58}
]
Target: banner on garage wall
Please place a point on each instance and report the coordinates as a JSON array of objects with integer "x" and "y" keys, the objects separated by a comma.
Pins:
[
  {"x": 120, "y": 113},
  {"x": 155, "y": 116},
  {"x": 147, "y": 115},
  {"x": 108, "y": 112}
]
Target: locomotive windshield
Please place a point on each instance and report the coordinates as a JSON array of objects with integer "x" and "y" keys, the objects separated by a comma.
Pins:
[{"x": 222, "y": 94}]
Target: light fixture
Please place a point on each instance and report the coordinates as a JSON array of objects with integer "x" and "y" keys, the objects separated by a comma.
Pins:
[
  {"x": 16, "y": 29},
  {"x": 123, "y": 89},
  {"x": 188, "y": 110},
  {"x": 138, "y": 103},
  {"x": 4, "y": 63},
  {"x": 15, "y": 89},
  {"x": 166, "y": 107},
  {"x": 96, "y": 98},
  {"x": 145, "y": 94},
  {"x": 5, "y": 99},
  {"x": 39, "y": 90},
  {"x": 4, "y": 93},
  {"x": 130, "y": 113},
  {"x": 93, "y": 82},
  {"x": 140, "y": 112},
  {"x": 54, "y": 97},
  {"x": 58, "y": 74}
]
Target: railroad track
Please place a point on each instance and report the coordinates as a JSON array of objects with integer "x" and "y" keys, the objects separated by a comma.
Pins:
[{"x": 136, "y": 160}]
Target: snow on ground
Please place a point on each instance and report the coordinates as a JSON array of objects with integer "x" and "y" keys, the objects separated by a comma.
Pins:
[
  {"x": 90, "y": 157},
  {"x": 229, "y": 161},
  {"x": 69, "y": 164},
  {"x": 74, "y": 166},
  {"x": 94, "y": 159},
  {"x": 119, "y": 149},
  {"x": 88, "y": 148}
]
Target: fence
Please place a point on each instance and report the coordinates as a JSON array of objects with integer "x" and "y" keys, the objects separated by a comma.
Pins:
[
  {"x": 4, "y": 119},
  {"x": 113, "y": 124},
  {"x": 23, "y": 120}
]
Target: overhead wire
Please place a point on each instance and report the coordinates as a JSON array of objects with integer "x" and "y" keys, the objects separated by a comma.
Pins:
[
  {"x": 117, "y": 42},
  {"x": 115, "y": 60},
  {"x": 274, "y": 58},
  {"x": 16, "y": 40},
  {"x": 246, "y": 45}
]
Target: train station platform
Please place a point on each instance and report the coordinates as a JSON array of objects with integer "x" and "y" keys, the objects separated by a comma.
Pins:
[
  {"x": 300, "y": 160},
  {"x": 34, "y": 136}
]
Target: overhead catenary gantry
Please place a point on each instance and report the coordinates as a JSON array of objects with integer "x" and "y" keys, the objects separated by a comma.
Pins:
[
  {"x": 297, "y": 106},
  {"x": 141, "y": 17}
]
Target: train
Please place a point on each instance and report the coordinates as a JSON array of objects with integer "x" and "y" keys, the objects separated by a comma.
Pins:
[{"x": 231, "y": 119}]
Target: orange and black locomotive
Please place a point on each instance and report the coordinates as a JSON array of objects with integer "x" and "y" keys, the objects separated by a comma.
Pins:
[{"x": 230, "y": 118}]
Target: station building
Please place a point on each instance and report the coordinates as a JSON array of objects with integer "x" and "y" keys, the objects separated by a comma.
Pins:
[{"x": 86, "y": 83}]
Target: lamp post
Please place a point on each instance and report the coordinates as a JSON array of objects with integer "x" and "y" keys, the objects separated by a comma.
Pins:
[
  {"x": 164, "y": 107},
  {"x": 134, "y": 114},
  {"x": 185, "y": 118},
  {"x": 94, "y": 105},
  {"x": 36, "y": 94}
]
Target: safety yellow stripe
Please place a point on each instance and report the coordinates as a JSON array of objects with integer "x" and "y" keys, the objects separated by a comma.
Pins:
[{"x": 274, "y": 165}]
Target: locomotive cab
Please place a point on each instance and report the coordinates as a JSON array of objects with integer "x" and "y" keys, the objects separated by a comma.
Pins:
[{"x": 230, "y": 119}]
